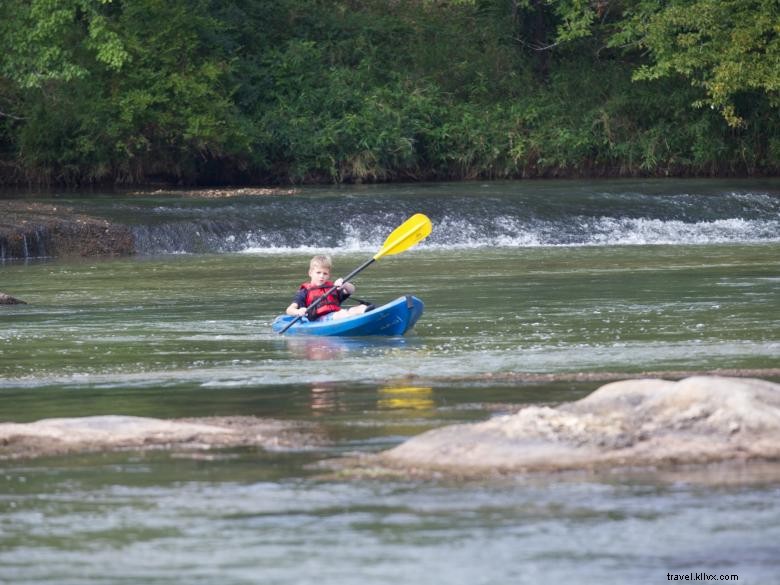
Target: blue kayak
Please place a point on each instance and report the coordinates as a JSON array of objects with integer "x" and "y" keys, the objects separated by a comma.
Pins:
[{"x": 395, "y": 318}]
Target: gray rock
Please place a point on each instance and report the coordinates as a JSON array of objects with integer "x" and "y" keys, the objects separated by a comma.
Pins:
[
  {"x": 701, "y": 419},
  {"x": 104, "y": 433}
]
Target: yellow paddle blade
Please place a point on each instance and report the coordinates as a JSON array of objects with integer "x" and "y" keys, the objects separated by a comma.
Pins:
[{"x": 412, "y": 231}]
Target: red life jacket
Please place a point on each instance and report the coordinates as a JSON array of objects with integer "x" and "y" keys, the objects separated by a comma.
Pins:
[{"x": 331, "y": 303}]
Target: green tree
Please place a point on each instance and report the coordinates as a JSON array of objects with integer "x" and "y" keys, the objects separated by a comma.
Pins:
[
  {"x": 120, "y": 89},
  {"x": 728, "y": 48},
  {"x": 48, "y": 41},
  {"x": 345, "y": 90}
]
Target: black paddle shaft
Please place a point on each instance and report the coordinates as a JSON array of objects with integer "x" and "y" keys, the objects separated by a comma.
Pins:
[{"x": 316, "y": 303}]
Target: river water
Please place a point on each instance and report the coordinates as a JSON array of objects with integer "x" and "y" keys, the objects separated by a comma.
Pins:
[{"x": 527, "y": 285}]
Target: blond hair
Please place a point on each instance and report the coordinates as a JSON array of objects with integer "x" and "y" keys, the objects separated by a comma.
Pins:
[{"x": 322, "y": 261}]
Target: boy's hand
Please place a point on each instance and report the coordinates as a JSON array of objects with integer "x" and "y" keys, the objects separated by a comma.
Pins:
[{"x": 347, "y": 287}]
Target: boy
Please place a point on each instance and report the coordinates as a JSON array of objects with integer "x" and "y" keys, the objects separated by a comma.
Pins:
[{"x": 330, "y": 308}]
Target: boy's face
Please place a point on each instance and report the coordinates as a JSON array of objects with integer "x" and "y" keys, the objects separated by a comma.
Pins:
[{"x": 319, "y": 274}]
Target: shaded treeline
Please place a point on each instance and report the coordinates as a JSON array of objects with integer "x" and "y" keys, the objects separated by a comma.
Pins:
[{"x": 239, "y": 91}]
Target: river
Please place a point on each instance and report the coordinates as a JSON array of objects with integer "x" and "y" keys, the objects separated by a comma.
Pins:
[{"x": 535, "y": 292}]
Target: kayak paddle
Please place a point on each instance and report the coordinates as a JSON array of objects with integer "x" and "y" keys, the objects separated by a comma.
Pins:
[{"x": 411, "y": 232}]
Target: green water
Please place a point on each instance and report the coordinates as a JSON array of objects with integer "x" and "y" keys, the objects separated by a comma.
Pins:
[
  {"x": 199, "y": 322},
  {"x": 189, "y": 335}
]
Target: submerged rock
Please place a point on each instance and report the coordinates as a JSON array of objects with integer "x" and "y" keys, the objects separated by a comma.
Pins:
[
  {"x": 9, "y": 300},
  {"x": 103, "y": 433},
  {"x": 701, "y": 419}
]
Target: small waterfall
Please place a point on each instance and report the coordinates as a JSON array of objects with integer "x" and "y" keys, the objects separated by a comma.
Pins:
[
  {"x": 192, "y": 236},
  {"x": 472, "y": 220},
  {"x": 40, "y": 242},
  {"x": 32, "y": 243},
  {"x": 513, "y": 214}
]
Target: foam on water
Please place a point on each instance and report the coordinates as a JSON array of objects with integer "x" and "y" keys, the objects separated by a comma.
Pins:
[
  {"x": 514, "y": 233},
  {"x": 494, "y": 218}
]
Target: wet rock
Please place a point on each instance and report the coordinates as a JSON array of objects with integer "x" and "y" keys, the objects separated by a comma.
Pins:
[
  {"x": 105, "y": 433},
  {"x": 9, "y": 300},
  {"x": 35, "y": 230},
  {"x": 701, "y": 419}
]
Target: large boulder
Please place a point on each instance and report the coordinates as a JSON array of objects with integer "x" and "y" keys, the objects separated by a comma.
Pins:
[{"x": 700, "y": 419}]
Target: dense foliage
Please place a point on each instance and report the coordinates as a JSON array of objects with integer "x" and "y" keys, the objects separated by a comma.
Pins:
[{"x": 206, "y": 91}]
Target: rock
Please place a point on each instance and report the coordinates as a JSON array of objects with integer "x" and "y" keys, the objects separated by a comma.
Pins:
[
  {"x": 9, "y": 300},
  {"x": 104, "y": 433},
  {"x": 701, "y": 419},
  {"x": 33, "y": 229}
]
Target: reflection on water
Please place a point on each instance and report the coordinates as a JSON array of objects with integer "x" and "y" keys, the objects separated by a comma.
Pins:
[
  {"x": 332, "y": 398},
  {"x": 406, "y": 398},
  {"x": 327, "y": 399},
  {"x": 316, "y": 347}
]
